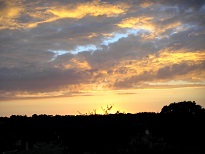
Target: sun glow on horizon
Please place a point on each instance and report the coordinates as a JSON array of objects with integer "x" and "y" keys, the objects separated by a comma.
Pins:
[{"x": 133, "y": 101}]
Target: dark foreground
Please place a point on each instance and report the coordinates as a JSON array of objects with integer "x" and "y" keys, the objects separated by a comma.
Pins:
[{"x": 174, "y": 130}]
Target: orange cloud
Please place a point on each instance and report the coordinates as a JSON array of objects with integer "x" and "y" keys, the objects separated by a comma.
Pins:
[
  {"x": 78, "y": 64},
  {"x": 13, "y": 10},
  {"x": 137, "y": 22},
  {"x": 148, "y": 23},
  {"x": 94, "y": 8},
  {"x": 145, "y": 4},
  {"x": 107, "y": 35},
  {"x": 9, "y": 14},
  {"x": 146, "y": 69}
]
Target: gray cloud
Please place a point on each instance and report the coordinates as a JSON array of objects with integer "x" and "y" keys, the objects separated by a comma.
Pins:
[
  {"x": 134, "y": 81},
  {"x": 44, "y": 80},
  {"x": 179, "y": 69}
]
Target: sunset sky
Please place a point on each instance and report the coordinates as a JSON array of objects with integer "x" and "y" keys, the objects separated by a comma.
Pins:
[{"x": 65, "y": 56}]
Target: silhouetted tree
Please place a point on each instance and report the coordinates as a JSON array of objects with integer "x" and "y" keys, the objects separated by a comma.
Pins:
[{"x": 185, "y": 107}]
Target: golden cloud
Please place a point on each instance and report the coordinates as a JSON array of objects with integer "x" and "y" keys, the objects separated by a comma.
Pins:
[
  {"x": 146, "y": 4},
  {"x": 9, "y": 14},
  {"x": 13, "y": 11},
  {"x": 94, "y": 8},
  {"x": 153, "y": 63},
  {"x": 78, "y": 64},
  {"x": 107, "y": 35},
  {"x": 148, "y": 23},
  {"x": 137, "y": 22}
]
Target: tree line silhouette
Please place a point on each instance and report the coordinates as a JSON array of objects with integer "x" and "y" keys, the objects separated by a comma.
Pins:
[{"x": 178, "y": 128}]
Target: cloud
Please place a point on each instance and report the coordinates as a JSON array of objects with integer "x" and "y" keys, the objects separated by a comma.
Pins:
[
  {"x": 20, "y": 14},
  {"x": 40, "y": 80},
  {"x": 94, "y": 8},
  {"x": 163, "y": 67},
  {"x": 82, "y": 46},
  {"x": 141, "y": 22},
  {"x": 179, "y": 70},
  {"x": 183, "y": 4},
  {"x": 9, "y": 13}
]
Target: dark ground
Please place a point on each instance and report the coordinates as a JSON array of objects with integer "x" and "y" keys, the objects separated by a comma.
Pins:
[{"x": 171, "y": 131}]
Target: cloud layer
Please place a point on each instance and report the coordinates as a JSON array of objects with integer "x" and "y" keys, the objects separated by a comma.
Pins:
[{"x": 60, "y": 48}]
